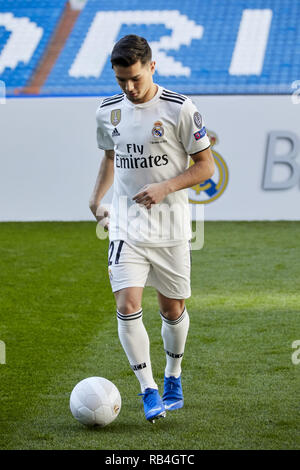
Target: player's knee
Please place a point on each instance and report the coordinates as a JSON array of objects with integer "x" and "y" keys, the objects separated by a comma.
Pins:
[
  {"x": 126, "y": 307},
  {"x": 174, "y": 311}
]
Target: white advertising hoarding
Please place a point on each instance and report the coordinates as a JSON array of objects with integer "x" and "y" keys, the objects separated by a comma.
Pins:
[
  {"x": 258, "y": 138},
  {"x": 49, "y": 158}
]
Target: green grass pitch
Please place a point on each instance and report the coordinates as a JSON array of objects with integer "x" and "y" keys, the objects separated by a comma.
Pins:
[{"x": 58, "y": 322}]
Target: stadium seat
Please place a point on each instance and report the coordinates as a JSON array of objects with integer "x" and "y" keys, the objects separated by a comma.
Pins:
[
  {"x": 218, "y": 46},
  {"x": 25, "y": 31}
]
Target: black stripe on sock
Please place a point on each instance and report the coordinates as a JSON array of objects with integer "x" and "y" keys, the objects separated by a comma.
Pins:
[
  {"x": 131, "y": 316},
  {"x": 174, "y": 322}
]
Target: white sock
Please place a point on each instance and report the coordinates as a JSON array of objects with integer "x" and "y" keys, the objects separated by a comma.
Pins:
[
  {"x": 135, "y": 341},
  {"x": 174, "y": 334}
]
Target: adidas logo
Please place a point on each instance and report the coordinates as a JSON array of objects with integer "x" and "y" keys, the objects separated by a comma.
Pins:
[{"x": 115, "y": 133}]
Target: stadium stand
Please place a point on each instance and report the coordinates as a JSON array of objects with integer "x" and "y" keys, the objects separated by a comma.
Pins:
[
  {"x": 201, "y": 47},
  {"x": 55, "y": 45},
  {"x": 25, "y": 30}
]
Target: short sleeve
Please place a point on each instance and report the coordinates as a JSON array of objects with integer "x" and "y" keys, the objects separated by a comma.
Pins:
[
  {"x": 191, "y": 129},
  {"x": 104, "y": 139}
]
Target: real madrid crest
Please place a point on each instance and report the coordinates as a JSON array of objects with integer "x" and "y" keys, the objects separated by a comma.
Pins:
[
  {"x": 158, "y": 130},
  {"x": 214, "y": 187},
  {"x": 115, "y": 117}
]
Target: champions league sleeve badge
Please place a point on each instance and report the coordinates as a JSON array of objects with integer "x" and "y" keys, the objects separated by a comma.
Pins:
[{"x": 198, "y": 120}]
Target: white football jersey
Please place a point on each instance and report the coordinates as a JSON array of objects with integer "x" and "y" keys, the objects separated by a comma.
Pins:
[{"x": 152, "y": 142}]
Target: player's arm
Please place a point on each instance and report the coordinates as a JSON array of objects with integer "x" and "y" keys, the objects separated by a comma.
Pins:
[
  {"x": 104, "y": 181},
  {"x": 202, "y": 169},
  {"x": 105, "y": 175}
]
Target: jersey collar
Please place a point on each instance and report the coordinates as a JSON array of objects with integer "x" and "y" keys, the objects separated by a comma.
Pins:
[{"x": 147, "y": 104}]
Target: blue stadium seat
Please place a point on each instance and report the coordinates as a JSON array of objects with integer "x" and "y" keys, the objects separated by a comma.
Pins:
[
  {"x": 25, "y": 30},
  {"x": 210, "y": 42},
  {"x": 208, "y": 58}
]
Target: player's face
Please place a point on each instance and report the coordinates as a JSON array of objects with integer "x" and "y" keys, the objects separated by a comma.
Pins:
[{"x": 136, "y": 81}]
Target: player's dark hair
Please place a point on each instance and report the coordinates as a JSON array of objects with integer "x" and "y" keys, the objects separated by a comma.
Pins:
[{"x": 129, "y": 50}]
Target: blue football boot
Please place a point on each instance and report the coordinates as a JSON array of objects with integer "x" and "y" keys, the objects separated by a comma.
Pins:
[
  {"x": 153, "y": 405},
  {"x": 173, "y": 396}
]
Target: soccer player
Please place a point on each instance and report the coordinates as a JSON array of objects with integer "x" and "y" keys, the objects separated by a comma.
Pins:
[{"x": 148, "y": 134}]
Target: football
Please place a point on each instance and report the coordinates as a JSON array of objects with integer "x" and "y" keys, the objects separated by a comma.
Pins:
[{"x": 95, "y": 401}]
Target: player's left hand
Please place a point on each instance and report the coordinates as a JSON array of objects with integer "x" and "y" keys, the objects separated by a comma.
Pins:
[{"x": 151, "y": 194}]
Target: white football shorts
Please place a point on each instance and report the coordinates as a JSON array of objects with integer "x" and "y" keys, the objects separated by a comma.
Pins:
[{"x": 167, "y": 269}]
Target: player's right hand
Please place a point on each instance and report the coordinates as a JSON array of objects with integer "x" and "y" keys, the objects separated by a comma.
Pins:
[{"x": 101, "y": 214}]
